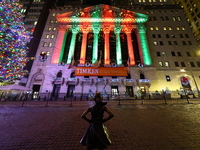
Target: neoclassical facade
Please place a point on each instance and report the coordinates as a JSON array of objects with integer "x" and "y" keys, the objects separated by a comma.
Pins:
[{"x": 101, "y": 48}]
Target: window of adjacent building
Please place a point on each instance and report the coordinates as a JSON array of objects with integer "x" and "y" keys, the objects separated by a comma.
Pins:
[
  {"x": 181, "y": 35},
  {"x": 166, "y": 63},
  {"x": 175, "y": 43},
  {"x": 174, "y": 18},
  {"x": 169, "y": 42},
  {"x": 183, "y": 42},
  {"x": 53, "y": 14},
  {"x": 179, "y": 18},
  {"x": 198, "y": 15},
  {"x": 168, "y": 78},
  {"x": 186, "y": 35},
  {"x": 167, "y": 35},
  {"x": 151, "y": 28},
  {"x": 167, "y": 18},
  {"x": 164, "y": 28},
  {"x": 198, "y": 63},
  {"x": 160, "y": 63},
  {"x": 54, "y": 29},
  {"x": 188, "y": 54},
  {"x": 189, "y": 43},
  {"x": 52, "y": 36},
  {"x": 173, "y": 53},
  {"x": 182, "y": 64},
  {"x": 47, "y": 36},
  {"x": 161, "y": 43},
  {"x": 173, "y": 36},
  {"x": 183, "y": 28},
  {"x": 44, "y": 44},
  {"x": 49, "y": 29},
  {"x": 177, "y": 28},
  {"x": 154, "y": 19},
  {"x": 164, "y": 54},
  {"x": 170, "y": 28},
  {"x": 35, "y": 23},
  {"x": 157, "y": 28},
  {"x": 176, "y": 64},
  {"x": 162, "y": 18},
  {"x": 50, "y": 44},
  {"x": 196, "y": 10},
  {"x": 179, "y": 54},
  {"x": 51, "y": 21},
  {"x": 192, "y": 64},
  {"x": 155, "y": 43},
  {"x": 159, "y": 36},
  {"x": 153, "y": 36},
  {"x": 158, "y": 54},
  {"x": 48, "y": 53}
]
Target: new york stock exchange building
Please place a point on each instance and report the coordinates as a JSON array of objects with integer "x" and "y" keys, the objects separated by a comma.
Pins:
[{"x": 126, "y": 52}]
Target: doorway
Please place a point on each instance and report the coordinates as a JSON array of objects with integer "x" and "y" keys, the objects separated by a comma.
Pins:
[
  {"x": 114, "y": 90},
  {"x": 36, "y": 89},
  {"x": 70, "y": 91},
  {"x": 56, "y": 90},
  {"x": 129, "y": 90}
]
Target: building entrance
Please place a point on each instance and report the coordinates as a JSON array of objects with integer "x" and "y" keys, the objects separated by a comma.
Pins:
[
  {"x": 129, "y": 90},
  {"x": 56, "y": 90},
  {"x": 36, "y": 89},
  {"x": 70, "y": 90},
  {"x": 114, "y": 90}
]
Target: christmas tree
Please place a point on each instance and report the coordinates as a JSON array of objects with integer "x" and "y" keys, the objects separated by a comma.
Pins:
[{"x": 13, "y": 41}]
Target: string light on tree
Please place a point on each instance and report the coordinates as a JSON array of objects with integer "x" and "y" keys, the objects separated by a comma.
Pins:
[{"x": 13, "y": 41}]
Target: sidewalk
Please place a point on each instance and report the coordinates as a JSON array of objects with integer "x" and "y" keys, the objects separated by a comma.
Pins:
[{"x": 152, "y": 125}]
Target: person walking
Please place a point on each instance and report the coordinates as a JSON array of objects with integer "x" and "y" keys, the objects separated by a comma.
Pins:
[{"x": 96, "y": 136}]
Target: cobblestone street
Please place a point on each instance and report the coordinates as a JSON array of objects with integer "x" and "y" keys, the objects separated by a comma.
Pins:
[{"x": 137, "y": 125}]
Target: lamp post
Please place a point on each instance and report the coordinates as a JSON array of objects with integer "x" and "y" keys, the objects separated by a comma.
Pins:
[{"x": 194, "y": 79}]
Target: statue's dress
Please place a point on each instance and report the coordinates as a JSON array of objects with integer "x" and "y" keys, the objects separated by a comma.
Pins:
[{"x": 96, "y": 136}]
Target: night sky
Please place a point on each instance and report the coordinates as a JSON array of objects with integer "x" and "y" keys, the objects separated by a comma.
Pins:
[{"x": 96, "y": 2}]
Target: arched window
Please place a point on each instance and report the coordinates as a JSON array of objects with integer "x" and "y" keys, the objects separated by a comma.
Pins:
[
  {"x": 142, "y": 76},
  {"x": 129, "y": 76},
  {"x": 59, "y": 74},
  {"x": 72, "y": 75}
]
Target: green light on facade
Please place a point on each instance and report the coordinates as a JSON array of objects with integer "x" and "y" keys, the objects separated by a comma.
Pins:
[
  {"x": 145, "y": 49},
  {"x": 95, "y": 48},
  {"x": 63, "y": 47},
  {"x": 71, "y": 49}
]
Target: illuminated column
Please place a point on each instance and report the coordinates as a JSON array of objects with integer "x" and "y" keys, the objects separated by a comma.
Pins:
[
  {"x": 106, "y": 31},
  {"x": 96, "y": 30},
  {"x": 58, "y": 46},
  {"x": 83, "y": 46},
  {"x": 118, "y": 45},
  {"x": 143, "y": 45},
  {"x": 128, "y": 31},
  {"x": 72, "y": 44},
  {"x": 63, "y": 45}
]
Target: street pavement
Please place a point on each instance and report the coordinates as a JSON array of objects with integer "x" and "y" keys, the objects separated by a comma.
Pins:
[{"x": 137, "y": 125}]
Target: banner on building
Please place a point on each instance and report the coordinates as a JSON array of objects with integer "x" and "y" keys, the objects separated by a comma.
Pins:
[{"x": 101, "y": 71}]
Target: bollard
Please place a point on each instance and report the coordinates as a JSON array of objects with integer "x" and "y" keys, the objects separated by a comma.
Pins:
[
  {"x": 71, "y": 102},
  {"x": 45, "y": 98},
  {"x": 23, "y": 102}
]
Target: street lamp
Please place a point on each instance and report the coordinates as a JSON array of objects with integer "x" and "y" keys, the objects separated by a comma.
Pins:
[{"x": 194, "y": 79}]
